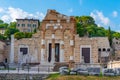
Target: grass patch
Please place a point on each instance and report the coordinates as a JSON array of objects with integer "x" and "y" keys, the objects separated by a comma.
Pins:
[
  {"x": 53, "y": 76},
  {"x": 7, "y": 68},
  {"x": 57, "y": 76}
]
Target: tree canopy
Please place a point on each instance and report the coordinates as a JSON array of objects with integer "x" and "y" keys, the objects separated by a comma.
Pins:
[
  {"x": 3, "y": 25},
  {"x": 20, "y": 35},
  {"x": 11, "y": 29}
]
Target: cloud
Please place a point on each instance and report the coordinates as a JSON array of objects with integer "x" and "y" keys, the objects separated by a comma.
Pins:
[
  {"x": 6, "y": 18},
  {"x": 100, "y": 18},
  {"x": 1, "y": 9},
  {"x": 115, "y": 13},
  {"x": 11, "y": 14},
  {"x": 70, "y": 10}
]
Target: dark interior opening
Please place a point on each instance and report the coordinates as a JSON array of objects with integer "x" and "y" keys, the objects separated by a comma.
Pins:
[
  {"x": 24, "y": 50},
  {"x": 57, "y": 52},
  {"x": 86, "y": 54},
  {"x": 50, "y": 51}
]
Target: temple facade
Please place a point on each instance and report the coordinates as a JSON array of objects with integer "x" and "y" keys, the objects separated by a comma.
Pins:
[{"x": 57, "y": 42}]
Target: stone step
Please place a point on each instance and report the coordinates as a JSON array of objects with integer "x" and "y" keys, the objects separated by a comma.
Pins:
[{"x": 47, "y": 67}]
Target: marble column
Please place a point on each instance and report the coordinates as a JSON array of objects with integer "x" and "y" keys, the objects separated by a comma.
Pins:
[
  {"x": 42, "y": 54},
  {"x": 53, "y": 48},
  {"x": 62, "y": 52},
  {"x": 53, "y": 51},
  {"x": 12, "y": 49},
  {"x": 43, "y": 48}
]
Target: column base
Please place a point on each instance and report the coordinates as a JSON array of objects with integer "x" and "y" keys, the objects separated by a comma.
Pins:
[{"x": 71, "y": 63}]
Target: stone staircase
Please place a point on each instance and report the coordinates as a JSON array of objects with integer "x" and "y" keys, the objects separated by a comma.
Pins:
[{"x": 46, "y": 67}]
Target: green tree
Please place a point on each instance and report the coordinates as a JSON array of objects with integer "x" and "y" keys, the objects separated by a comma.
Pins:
[
  {"x": 2, "y": 37},
  {"x": 86, "y": 20},
  {"x": 12, "y": 24},
  {"x": 109, "y": 36},
  {"x": 28, "y": 35},
  {"x": 1, "y": 21},
  {"x": 9, "y": 31},
  {"x": 92, "y": 29},
  {"x": 116, "y": 35},
  {"x": 101, "y": 32},
  {"x": 82, "y": 23},
  {"x": 80, "y": 30},
  {"x": 4, "y": 25},
  {"x": 19, "y": 35}
]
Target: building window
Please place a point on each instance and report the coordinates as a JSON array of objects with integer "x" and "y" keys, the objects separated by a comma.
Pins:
[
  {"x": 99, "y": 49},
  {"x": 29, "y": 25},
  {"x": 108, "y": 49},
  {"x": 18, "y": 25},
  {"x": 24, "y": 50},
  {"x": 23, "y": 25},
  {"x": 34, "y": 25},
  {"x": 104, "y": 49}
]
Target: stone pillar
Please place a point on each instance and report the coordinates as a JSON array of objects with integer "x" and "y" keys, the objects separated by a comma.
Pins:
[
  {"x": 53, "y": 48},
  {"x": 62, "y": 52},
  {"x": 43, "y": 48},
  {"x": 42, "y": 54},
  {"x": 71, "y": 61},
  {"x": 12, "y": 49},
  {"x": 53, "y": 51},
  {"x": 72, "y": 49}
]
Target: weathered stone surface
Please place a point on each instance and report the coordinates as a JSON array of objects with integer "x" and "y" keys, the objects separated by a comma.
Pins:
[{"x": 23, "y": 76}]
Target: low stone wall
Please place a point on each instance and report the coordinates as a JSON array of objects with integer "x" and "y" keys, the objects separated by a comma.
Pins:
[
  {"x": 14, "y": 76},
  {"x": 86, "y": 65},
  {"x": 113, "y": 64}
]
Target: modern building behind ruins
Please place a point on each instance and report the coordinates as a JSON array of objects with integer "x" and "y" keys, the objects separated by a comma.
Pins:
[{"x": 27, "y": 25}]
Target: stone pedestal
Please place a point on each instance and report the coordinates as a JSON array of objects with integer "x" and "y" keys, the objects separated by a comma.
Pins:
[{"x": 71, "y": 64}]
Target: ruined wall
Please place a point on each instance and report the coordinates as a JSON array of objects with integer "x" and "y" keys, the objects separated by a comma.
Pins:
[{"x": 86, "y": 42}]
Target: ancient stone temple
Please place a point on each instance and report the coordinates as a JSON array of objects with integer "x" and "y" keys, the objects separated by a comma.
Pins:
[{"x": 57, "y": 42}]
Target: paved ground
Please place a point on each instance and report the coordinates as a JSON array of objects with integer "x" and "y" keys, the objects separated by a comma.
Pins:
[{"x": 26, "y": 72}]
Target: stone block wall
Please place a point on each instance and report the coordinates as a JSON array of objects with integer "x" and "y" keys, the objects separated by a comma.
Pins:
[
  {"x": 88, "y": 42},
  {"x": 33, "y": 49}
]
